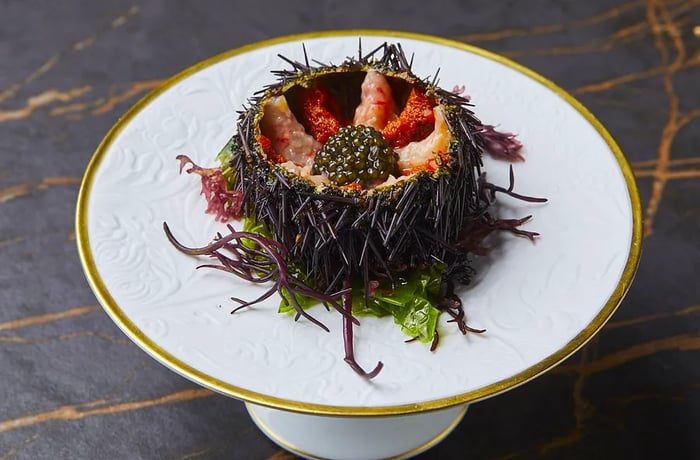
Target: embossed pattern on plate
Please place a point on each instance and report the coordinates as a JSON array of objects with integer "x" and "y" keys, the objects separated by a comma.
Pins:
[{"x": 532, "y": 298}]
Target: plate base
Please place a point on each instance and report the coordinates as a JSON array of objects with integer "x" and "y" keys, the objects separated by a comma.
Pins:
[{"x": 356, "y": 438}]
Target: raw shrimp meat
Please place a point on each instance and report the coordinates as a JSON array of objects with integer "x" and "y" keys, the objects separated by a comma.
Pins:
[
  {"x": 288, "y": 140},
  {"x": 377, "y": 105},
  {"x": 305, "y": 171},
  {"x": 416, "y": 155}
]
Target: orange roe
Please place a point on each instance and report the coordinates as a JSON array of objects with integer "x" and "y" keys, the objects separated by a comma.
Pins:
[
  {"x": 267, "y": 149},
  {"x": 264, "y": 143},
  {"x": 431, "y": 165},
  {"x": 317, "y": 109},
  {"x": 352, "y": 186},
  {"x": 415, "y": 122}
]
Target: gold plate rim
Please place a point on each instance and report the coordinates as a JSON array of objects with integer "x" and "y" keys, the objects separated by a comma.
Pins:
[{"x": 136, "y": 335}]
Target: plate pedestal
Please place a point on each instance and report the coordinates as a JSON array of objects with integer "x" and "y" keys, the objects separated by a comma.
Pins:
[{"x": 356, "y": 438}]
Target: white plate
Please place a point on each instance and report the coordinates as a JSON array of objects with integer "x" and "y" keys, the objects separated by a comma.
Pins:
[{"x": 539, "y": 302}]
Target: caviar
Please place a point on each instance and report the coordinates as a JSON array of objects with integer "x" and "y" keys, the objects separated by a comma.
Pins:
[{"x": 356, "y": 154}]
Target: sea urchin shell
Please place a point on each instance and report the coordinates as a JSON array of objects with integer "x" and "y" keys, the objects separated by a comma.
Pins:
[{"x": 336, "y": 232}]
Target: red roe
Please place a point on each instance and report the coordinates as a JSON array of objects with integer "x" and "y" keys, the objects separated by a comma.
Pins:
[
  {"x": 318, "y": 111},
  {"x": 415, "y": 122}
]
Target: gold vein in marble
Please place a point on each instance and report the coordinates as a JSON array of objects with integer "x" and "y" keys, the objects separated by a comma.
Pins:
[
  {"x": 683, "y": 342},
  {"x": 48, "y": 318},
  {"x": 583, "y": 409},
  {"x": 79, "y": 45},
  {"x": 598, "y": 18},
  {"x": 625, "y": 35},
  {"x": 132, "y": 90},
  {"x": 118, "y": 95},
  {"x": 11, "y": 241},
  {"x": 282, "y": 455},
  {"x": 638, "y": 165},
  {"x": 654, "y": 317},
  {"x": 667, "y": 40},
  {"x": 634, "y": 398},
  {"x": 611, "y": 83},
  {"x": 62, "y": 337},
  {"x": 41, "y": 70},
  {"x": 42, "y": 184},
  {"x": 670, "y": 175},
  {"x": 99, "y": 407},
  {"x": 664, "y": 21},
  {"x": 40, "y": 100}
]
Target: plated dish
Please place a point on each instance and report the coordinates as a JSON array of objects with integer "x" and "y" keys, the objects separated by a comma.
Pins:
[
  {"x": 361, "y": 188},
  {"x": 539, "y": 302}
]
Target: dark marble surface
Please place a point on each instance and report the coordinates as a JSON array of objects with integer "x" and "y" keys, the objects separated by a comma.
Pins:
[{"x": 72, "y": 386}]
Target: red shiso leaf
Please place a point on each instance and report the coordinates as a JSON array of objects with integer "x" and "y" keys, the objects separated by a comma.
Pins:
[{"x": 225, "y": 204}]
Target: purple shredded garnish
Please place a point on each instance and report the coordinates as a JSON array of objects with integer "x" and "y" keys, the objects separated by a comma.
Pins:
[
  {"x": 348, "y": 335},
  {"x": 452, "y": 305},
  {"x": 436, "y": 340},
  {"x": 221, "y": 201},
  {"x": 433, "y": 343},
  {"x": 501, "y": 145},
  {"x": 484, "y": 186},
  {"x": 265, "y": 261},
  {"x": 475, "y": 231}
]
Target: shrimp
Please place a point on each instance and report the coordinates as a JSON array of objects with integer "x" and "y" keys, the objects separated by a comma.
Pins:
[
  {"x": 305, "y": 171},
  {"x": 288, "y": 140},
  {"x": 377, "y": 105},
  {"x": 416, "y": 155}
]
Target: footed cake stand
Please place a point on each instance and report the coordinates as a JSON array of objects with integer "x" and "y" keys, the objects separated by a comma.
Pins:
[{"x": 538, "y": 302}]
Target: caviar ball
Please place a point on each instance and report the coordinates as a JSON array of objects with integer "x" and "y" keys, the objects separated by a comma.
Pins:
[{"x": 356, "y": 154}]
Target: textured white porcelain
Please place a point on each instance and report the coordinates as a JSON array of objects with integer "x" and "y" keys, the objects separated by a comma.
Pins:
[{"x": 531, "y": 298}]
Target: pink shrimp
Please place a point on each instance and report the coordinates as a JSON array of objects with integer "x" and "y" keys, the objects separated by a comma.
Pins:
[
  {"x": 377, "y": 105},
  {"x": 416, "y": 155},
  {"x": 288, "y": 140}
]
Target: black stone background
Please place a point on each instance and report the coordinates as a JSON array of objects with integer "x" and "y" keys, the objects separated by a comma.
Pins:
[{"x": 72, "y": 386}]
